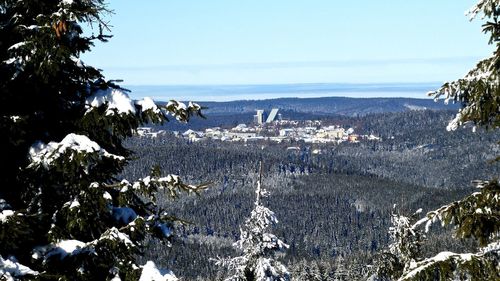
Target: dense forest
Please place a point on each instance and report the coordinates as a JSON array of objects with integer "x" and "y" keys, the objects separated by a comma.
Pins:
[
  {"x": 327, "y": 108},
  {"x": 334, "y": 206},
  {"x": 328, "y": 105},
  {"x": 84, "y": 197}
]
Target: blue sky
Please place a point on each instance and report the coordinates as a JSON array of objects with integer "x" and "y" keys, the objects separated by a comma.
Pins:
[{"x": 213, "y": 42}]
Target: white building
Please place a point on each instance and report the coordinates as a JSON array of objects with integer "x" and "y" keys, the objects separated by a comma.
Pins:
[
  {"x": 259, "y": 117},
  {"x": 272, "y": 115}
]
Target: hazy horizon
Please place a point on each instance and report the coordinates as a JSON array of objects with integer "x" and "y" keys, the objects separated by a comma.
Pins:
[
  {"x": 234, "y": 92},
  {"x": 282, "y": 42}
]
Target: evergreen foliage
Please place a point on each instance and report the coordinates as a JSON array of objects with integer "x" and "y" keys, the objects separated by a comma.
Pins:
[
  {"x": 63, "y": 214},
  {"x": 478, "y": 91},
  {"x": 343, "y": 218},
  {"x": 406, "y": 240},
  {"x": 258, "y": 246},
  {"x": 404, "y": 250},
  {"x": 477, "y": 215}
]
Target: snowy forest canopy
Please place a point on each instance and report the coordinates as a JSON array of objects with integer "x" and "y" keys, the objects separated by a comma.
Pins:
[{"x": 71, "y": 208}]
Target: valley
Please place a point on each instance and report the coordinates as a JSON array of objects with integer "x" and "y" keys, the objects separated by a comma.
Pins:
[{"x": 333, "y": 207}]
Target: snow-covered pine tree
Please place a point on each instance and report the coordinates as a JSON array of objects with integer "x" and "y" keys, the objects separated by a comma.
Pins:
[
  {"x": 477, "y": 215},
  {"x": 258, "y": 246},
  {"x": 308, "y": 271},
  {"x": 404, "y": 249},
  {"x": 63, "y": 214}
]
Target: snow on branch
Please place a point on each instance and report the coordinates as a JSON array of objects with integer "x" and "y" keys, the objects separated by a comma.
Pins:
[
  {"x": 479, "y": 265},
  {"x": 64, "y": 249},
  {"x": 406, "y": 240},
  {"x": 470, "y": 91},
  {"x": 118, "y": 102},
  {"x": 45, "y": 155},
  {"x": 266, "y": 267},
  {"x": 130, "y": 214},
  {"x": 5, "y": 215},
  {"x": 20, "y": 55},
  {"x": 67, "y": 248},
  {"x": 170, "y": 183},
  {"x": 148, "y": 104},
  {"x": 477, "y": 216},
  {"x": 12, "y": 270},
  {"x": 84, "y": 13},
  {"x": 115, "y": 235},
  {"x": 478, "y": 91},
  {"x": 260, "y": 219},
  {"x": 480, "y": 210},
  {"x": 182, "y": 112},
  {"x": 258, "y": 246}
]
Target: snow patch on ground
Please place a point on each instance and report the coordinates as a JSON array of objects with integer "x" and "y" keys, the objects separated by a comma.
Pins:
[
  {"x": 151, "y": 273},
  {"x": 414, "y": 107}
]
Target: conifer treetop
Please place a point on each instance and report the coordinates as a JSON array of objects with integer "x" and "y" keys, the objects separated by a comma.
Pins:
[
  {"x": 476, "y": 216},
  {"x": 63, "y": 212},
  {"x": 258, "y": 246},
  {"x": 478, "y": 91}
]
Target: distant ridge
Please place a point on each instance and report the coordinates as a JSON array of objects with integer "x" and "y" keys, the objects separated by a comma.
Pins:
[
  {"x": 327, "y": 105},
  {"x": 232, "y": 113}
]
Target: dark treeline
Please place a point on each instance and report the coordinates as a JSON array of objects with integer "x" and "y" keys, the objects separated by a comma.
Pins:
[
  {"x": 333, "y": 204},
  {"x": 226, "y": 114},
  {"x": 327, "y": 105}
]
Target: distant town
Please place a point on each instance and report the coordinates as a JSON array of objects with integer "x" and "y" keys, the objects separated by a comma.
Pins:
[{"x": 271, "y": 127}]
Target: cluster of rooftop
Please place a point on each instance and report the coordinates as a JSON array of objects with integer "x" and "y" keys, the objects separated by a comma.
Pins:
[{"x": 309, "y": 131}]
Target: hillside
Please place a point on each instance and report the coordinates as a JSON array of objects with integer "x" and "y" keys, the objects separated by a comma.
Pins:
[
  {"x": 328, "y": 105},
  {"x": 220, "y": 114},
  {"x": 332, "y": 206}
]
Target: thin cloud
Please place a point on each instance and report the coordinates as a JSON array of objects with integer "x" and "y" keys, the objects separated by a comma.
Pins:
[{"x": 298, "y": 64}]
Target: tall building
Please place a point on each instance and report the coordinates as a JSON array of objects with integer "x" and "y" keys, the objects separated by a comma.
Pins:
[
  {"x": 259, "y": 117},
  {"x": 272, "y": 115}
]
